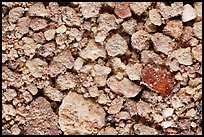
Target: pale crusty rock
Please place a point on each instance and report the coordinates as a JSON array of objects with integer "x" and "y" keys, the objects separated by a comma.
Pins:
[
  {"x": 78, "y": 115},
  {"x": 38, "y": 9},
  {"x": 61, "y": 29},
  {"x": 141, "y": 129},
  {"x": 32, "y": 88},
  {"x": 117, "y": 64},
  {"x": 167, "y": 112},
  {"x": 191, "y": 113},
  {"x": 131, "y": 106},
  {"x": 197, "y": 28},
  {"x": 162, "y": 43},
  {"x": 37, "y": 67},
  {"x": 29, "y": 46},
  {"x": 197, "y": 52},
  {"x": 166, "y": 124},
  {"x": 157, "y": 117},
  {"x": 116, "y": 45},
  {"x": 143, "y": 108},
  {"x": 198, "y": 8},
  {"x": 39, "y": 37},
  {"x": 116, "y": 105},
  {"x": 70, "y": 16},
  {"x": 92, "y": 51},
  {"x": 38, "y": 24},
  {"x": 8, "y": 109},
  {"x": 60, "y": 39},
  {"x": 129, "y": 26},
  {"x": 149, "y": 27},
  {"x": 139, "y": 7},
  {"x": 189, "y": 13},
  {"x": 140, "y": 40},
  {"x": 122, "y": 10},
  {"x": 189, "y": 90},
  {"x": 60, "y": 63},
  {"x": 174, "y": 10},
  {"x": 155, "y": 17},
  {"x": 41, "y": 119},
  {"x": 176, "y": 102},
  {"x": 46, "y": 49},
  {"x": 187, "y": 33},
  {"x": 23, "y": 25},
  {"x": 49, "y": 34},
  {"x": 74, "y": 33},
  {"x": 66, "y": 81},
  {"x": 15, "y": 14},
  {"x": 27, "y": 96},
  {"x": 174, "y": 65},
  {"x": 195, "y": 82},
  {"x": 10, "y": 94},
  {"x": 122, "y": 115},
  {"x": 93, "y": 91},
  {"x": 4, "y": 58},
  {"x": 103, "y": 99},
  {"x": 15, "y": 130},
  {"x": 134, "y": 71},
  {"x": 173, "y": 28},
  {"x": 183, "y": 55},
  {"x": 78, "y": 63},
  {"x": 148, "y": 56},
  {"x": 53, "y": 93},
  {"x": 108, "y": 131},
  {"x": 90, "y": 9},
  {"x": 125, "y": 87}
]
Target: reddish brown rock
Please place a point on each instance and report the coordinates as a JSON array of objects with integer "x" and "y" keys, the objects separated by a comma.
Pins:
[
  {"x": 158, "y": 79},
  {"x": 122, "y": 9}
]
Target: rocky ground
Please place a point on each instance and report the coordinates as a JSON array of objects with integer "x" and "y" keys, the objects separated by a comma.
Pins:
[{"x": 101, "y": 68}]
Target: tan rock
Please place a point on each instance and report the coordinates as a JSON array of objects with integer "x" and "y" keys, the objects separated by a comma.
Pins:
[
  {"x": 38, "y": 9},
  {"x": 108, "y": 131},
  {"x": 134, "y": 71},
  {"x": 116, "y": 105},
  {"x": 10, "y": 94},
  {"x": 129, "y": 26},
  {"x": 78, "y": 115},
  {"x": 141, "y": 129},
  {"x": 61, "y": 29},
  {"x": 29, "y": 46},
  {"x": 189, "y": 13},
  {"x": 8, "y": 109},
  {"x": 103, "y": 98},
  {"x": 15, "y": 14},
  {"x": 191, "y": 113},
  {"x": 116, "y": 45},
  {"x": 139, "y": 7},
  {"x": 32, "y": 88},
  {"x": 93, "y": 91},
  {"x": 78, "y": 63},
  {"x": 38, "y": 24},
  {"x": 15, "y": 130},
  {"x": 143, "y": 108},
  {"x": 66, "y": 81},
  {"x": 49, "y": 34},
  {"x": 197, "y": 28},
  {"x": 173, "y": 28},
  {"x": 125, "y": 87},
  {"x": 37, "y": 67},
  {"x": 198, "y": 8},
  {"x": 155, "y": 17},
  {"x": 53, "y": 93},
  {"x": 122, "y": 9},
  {"x": 167, "y": 112},
  {"x": 176, "y": 102}
]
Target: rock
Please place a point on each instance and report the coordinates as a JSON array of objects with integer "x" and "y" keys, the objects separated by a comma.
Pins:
[
  {"x": 37, "y": 67},
  {"x": 8, "y": 109},
  {"x": 163, "y": 43},
  {"x": 38, "y": 24},
  {"x": 93, "y": 91},
  {"x": 140, "y": 40},
  {"x": 29, "y": 46},
  {"x": 122, "y": 10},
  {"x": 134, "y": 71},
  {"x": 198, "y": 8},
  {"x": 129, "y": 26},
  {"x": 116, "y": 105},
  {"x": 157, "y": 117},
  {"x": 90, "y": 9},
  {"x": 141, "y": 129},
  {"x": 183, "y": 55},
  {"x": 167, "y": 112},
  {"x": 189, "y": 13},
  {"x": 53, "y": 93},
  {"x": 197, "y": 28},
  {"x": 32, "y": 88},
  {"x": 131, "y": 106},
  {"x": 148, "y": 56},
  {"x": 191, "y": 113},
  {"x": 23, "y": 25},
  {"x": 103, "y": 98},
  {"x": 139, "y": 7},
  {"x": 78, "y": 115},
  {"x": 108, "y": 131},
  {"x": 15, "y": 130},
  {"x": 49, "y": 34},
  {"x": 41, "y": 119},
  {"x": 92, "y": 51},
  {"x": 116, "y": 45},
  {"x": 143, "y": 108},
  {"x": 61, "y": 29},
  {"x": 174, "y": 28},
  {"x": 160, "y": 80},
  {"x": 38, "y": 9},
  {"x": 176, "y": 102},
  {"x": 155, "y": 17},
  {"x": 166, "y": 124},
  {"x": 78, "y": 63},
  {"x": 197, "y": 52},
  {"x": 10, "y": 94},
  {"x": 15, "y": 14},
  {"x": 125, "y": 87},
  {"x": 46, "y": 49},
  {"x": 60, "y": 63},
  {"x": 66, "y": 81}
]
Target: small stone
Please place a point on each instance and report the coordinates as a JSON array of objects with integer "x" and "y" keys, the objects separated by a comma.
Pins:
[
  {"x": 141, "y": 129},
  {"x": 61, "y": 29},
  {"x": 134, "y": 71},
  {"x": 198, "y": 8},
  {"x": 78, "y": 115},
  {"x": 197, "y": 28},
  {"x": 93, "y": 91},
  {"x": 139, "y": 7},
  {"x": 125, "y": 87},
  {"x": 10, "y": 94},
  {"x": 167, "y": 112},
  {"x": 66, "y": 81},
  {"x": 53, "y": 93},
  {"x": 8, "y": 109},
  {"x": 15, "y": 14},
  {"x": 140, "y": 40},
  {"x": 116, "y": 45},
  {"x": 176, "y": 102},
  {"x": 155, "y": 17},
  {"x": 157, "y": 117},
  {"x": 38, "y": 24},
  {"x": 173, "y": 28},
  {"x": 189, "y": 13},
  {"x": 78, "y": 63},
  {"x": 191, "y": 113},
  {"x": 143, "y": 108},
  {"x": 32, "y": 88},
  {"x": 166, "y": 124},
  {"x": 38, "y": 9},
  {"x": 49, "y": 34},
  {"x": 36, "y": 67},
  {"x": 129, "y": 26},
  {"x": 103, "y": 98},
  {"x": 116, "y": 105},
  {"x": 15, "y": 130},
  {"x": 122, "y": 9}
]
